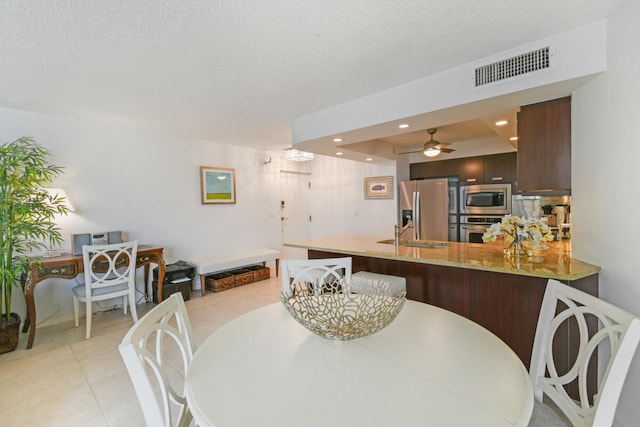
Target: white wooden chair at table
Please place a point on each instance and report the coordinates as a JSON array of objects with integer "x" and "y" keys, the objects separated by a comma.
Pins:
[
  {"x": 160, "y": 342},
  {"x": 109, "y": 272},
  {"x": 305, "y": 273},
  {"x": 619, "y": 333}
]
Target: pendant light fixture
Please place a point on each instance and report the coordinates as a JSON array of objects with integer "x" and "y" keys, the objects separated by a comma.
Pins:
[{"x": 297, "y": 155}]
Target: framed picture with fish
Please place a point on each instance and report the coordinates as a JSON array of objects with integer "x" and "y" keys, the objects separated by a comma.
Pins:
[{"x": 378, "y": 187}]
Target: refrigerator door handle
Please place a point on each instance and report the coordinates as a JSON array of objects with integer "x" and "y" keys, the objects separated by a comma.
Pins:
[{"x": 416, "y": 215}]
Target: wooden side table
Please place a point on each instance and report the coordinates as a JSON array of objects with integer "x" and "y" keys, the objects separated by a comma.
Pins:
[{"x": 69, "y": 267}]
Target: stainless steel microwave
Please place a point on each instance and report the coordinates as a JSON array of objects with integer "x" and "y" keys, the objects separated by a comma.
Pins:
[{"x": 492, "y": 199}]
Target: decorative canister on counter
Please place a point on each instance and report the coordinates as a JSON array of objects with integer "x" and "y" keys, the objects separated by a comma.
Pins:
[{"x": 520, "y": 235}]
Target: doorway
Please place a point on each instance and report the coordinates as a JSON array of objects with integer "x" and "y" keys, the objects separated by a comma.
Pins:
[{"x": 295, "y": 211}]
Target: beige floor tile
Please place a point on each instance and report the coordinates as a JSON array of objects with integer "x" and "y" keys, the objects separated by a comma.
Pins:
[
  {"x": 46, "y": 385},
  {"x": 36, "y": 364},
  {"x": 99, "y": 343},
  {"x": 76, "y": 406},
  {"x": 50, "y": 339},
  {"x": 114, "y": 392},
  {"x": 65, "y": 380},
  {"x": 101, "y": 366},
  {"x": 126, "y": 416}
]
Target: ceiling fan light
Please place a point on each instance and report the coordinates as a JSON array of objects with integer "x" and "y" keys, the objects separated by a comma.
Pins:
[{"x": 431, "y": 152}]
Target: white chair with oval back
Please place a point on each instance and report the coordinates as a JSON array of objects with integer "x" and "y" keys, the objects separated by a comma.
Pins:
[
  {"x": 616, "y": 330},
  {"x": 313, "y": 272},
  {"x": 153, "y": 350},
  {"x": 364, "y": 282},
  {"x": 109, "y": 272}
]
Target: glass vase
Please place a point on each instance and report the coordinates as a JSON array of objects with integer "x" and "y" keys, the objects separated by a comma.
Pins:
[{"x": 516, "y": 246}]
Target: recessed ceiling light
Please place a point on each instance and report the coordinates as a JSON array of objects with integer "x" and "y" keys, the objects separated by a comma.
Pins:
[
  {"x": 514, "y": 138},
  {"x": 501, "y": 122},
  {"x": 337, "y": 139},
  {"x": 369, "y": 159},
  {"x": 339, "y": 153},
  {"x": 403, "y": 126}
]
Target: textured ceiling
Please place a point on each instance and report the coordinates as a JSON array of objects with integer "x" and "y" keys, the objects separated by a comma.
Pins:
[{"x": 240, "y": 71}]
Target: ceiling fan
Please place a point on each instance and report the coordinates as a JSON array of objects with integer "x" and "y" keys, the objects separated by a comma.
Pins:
[{"x": 432, "y": 147}]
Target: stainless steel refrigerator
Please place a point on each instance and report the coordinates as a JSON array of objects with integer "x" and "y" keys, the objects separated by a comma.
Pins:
[{"x": 426, "y": 204}]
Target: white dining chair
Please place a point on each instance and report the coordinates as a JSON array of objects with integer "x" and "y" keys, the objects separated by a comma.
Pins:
[
  {"x": 109, "y": 272},
  {"x": 305, "y": 274},
  {"x": 364, "y": 282},
  {"x": 617, "y": 334},
  {"x": 160, "y": 344}
]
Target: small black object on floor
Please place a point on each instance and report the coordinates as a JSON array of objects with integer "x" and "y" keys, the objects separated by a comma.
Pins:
[{"x": 178, "y": 277}]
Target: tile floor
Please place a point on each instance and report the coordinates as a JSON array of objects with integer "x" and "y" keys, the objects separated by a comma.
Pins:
[{"x": 65, "y": 380}]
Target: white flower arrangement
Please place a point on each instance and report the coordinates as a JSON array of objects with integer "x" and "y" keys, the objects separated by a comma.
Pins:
[{"x": 514, "y": 228}]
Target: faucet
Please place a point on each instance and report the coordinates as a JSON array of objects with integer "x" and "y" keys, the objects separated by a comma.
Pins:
[{"x": 398, "y": 232}]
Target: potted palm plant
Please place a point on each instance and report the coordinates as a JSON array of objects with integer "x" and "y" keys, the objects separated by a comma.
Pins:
[{"x": 27, "y": 224}]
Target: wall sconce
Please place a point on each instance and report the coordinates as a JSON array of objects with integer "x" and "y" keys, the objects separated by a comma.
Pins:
[{"x": 297, "y": 155}]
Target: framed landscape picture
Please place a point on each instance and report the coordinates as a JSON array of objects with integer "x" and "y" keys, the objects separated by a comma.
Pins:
[
  {"x": 218, "y": 185},
  {"x": 378, "y": 187}
]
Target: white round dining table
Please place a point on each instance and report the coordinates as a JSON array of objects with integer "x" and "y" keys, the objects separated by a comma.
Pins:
[{"x": 429, "y": 367}]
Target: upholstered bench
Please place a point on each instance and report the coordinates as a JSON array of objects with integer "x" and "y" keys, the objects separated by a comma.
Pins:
[
  {"x": 363, "y": 280},
  {"x": 219, "y": 263}
]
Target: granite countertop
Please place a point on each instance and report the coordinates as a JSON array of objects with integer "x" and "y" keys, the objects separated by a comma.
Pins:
[{"x": 553, "y": 263}]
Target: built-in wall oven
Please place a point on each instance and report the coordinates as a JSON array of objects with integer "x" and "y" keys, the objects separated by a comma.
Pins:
[
  {"x": 472, "y": 227},
  {"x": 486, "y": 199}
]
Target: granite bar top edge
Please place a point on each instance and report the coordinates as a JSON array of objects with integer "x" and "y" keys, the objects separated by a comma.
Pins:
[{"x": 553, "y": 263}]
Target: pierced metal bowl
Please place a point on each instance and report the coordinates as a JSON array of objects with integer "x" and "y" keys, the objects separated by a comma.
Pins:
[{"x": 331, "y": 310}]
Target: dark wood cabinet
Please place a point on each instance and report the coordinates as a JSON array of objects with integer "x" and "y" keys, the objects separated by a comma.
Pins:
[
  {"x": 498, "y": 168},
  {"x": 437, "y": 169},
  {"x": 544, "y": 148},
  {"x": 508, "y": 307},
  {"x": 490, "y": 169},
  {"x": 471, "y": 170}
]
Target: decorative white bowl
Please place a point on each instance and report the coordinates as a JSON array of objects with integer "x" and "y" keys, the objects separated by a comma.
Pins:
[{"x": 332, "y": 311}]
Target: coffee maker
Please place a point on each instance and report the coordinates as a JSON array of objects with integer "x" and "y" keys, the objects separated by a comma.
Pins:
[{"x": 547, "y": 211}]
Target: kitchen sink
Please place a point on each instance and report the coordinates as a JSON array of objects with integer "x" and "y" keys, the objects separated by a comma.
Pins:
[{"x": 418, "y": 244}]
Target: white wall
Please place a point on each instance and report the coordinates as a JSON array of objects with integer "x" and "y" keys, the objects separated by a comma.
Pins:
[
  {"x": 338, "y": 203},
  {"x": 147, "y": 185},
  {"x": 605, "y": 156}
]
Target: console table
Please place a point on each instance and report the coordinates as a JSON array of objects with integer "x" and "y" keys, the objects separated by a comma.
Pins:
[{"x": 69, "y": 267}]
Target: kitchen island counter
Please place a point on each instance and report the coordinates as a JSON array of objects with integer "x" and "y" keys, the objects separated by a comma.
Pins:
[
  {"x": 552, "y": 263},
  {"x": 473, "y": 280}
]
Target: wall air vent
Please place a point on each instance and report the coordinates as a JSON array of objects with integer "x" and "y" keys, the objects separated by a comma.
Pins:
[{"x": 529, "y": 62}]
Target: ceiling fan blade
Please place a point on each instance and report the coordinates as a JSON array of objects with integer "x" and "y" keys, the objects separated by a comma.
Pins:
[
  {"x": 409, "y": 152},
  {"x": 433, "y": 144},
  {"x": 405, "y": 152}
]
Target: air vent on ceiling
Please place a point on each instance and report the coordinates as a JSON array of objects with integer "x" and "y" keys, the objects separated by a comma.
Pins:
[{"x": 529, "y": 62}]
